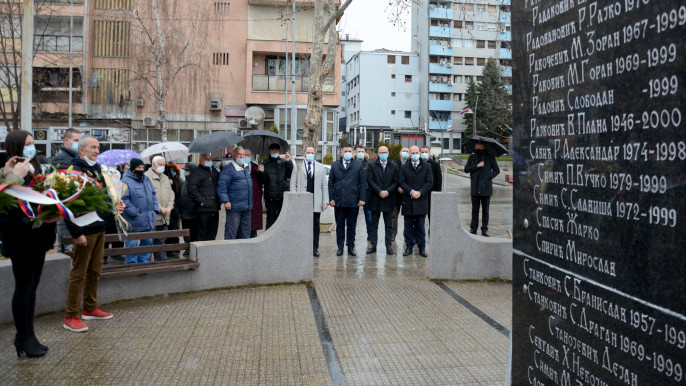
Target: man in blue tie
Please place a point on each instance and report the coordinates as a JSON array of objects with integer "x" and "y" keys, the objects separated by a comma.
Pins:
[
  {"x": 347, "y": 192},
  {"x": 416, "y": 181}
]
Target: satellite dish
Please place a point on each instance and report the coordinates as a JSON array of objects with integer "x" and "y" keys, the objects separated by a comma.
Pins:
[{"x": 254, "y": 115}]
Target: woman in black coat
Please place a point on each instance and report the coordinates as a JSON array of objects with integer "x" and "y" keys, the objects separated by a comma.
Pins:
[{"x": 26, "y": 247}]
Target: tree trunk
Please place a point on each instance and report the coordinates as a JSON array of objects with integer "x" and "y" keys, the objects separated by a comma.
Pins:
[{"x": 161, "y": 91}]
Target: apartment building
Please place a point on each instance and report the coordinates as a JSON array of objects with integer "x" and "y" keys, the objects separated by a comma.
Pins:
[
  {"x": 382, "y": 98},
  {"x": 350, "y": 48},
  {"x": 454, "y": 40},
  {"x": 223, "y": 57}
]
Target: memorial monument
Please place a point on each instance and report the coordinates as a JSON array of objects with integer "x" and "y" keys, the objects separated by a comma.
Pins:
[{"x": 599, "y": 265}]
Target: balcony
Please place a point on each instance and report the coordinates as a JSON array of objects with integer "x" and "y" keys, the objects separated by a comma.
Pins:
[
  {"x": 441, "y": 32},
  {"x": 440, "y": 87},
  {"x": 505, "y": 35},
  {"x": 505, "y": 17},
  {"x": 440, "y": 105},
  {"x": 507, "y": 72},
  {"x": 441, "y": 50},
  {"x": 54, "y": 44},
  {"x": 440, "y": 13},
  {"x": 436, "y": 68},
  {"x": 277, "y": 83},
  {"x": 504, "y": 53},
  {"x": 440, "y": 124},
  {"x": 505, "y": 2}
]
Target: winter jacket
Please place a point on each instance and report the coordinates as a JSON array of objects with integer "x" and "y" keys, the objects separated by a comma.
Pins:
[
  {"x": 257, "y": 181},
  {"x": 63, "y": 158},
  {"x": 276, "y": 174},
  {"x": 186, "y": 206},
  {"x": 94, "y": 172},
  {"x": 482, "y": 178},
  {"x": 398, "y": 196},
  {"x": 141, "y": 202},
  {"x": 347, "y": 186},
  {"x": 379, "y": 180},
  {"x": 174, "y": 173},
  {"x": 436, "y": 174},
  {"x": 165, "y": 194},
  {"x": 420, "y": 179},
  {"x": 202, "y": 188},
  {"x": 235, "y": 186}
]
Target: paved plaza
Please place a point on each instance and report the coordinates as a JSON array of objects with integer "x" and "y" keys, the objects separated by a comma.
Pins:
[{"x": 366, "y": 320}]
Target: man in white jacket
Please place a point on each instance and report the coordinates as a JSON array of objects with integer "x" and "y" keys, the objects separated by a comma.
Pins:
[
  {"x": 165, "y": 200},
  {"x": 313, "y": 180}
]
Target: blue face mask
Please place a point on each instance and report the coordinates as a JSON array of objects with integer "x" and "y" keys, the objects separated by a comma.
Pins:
[
  {"x": 348, "y": 155},
  {"x": 207, "y": 164},
  {"x": 275, "y": 155},
  {"x": 248, "y": 160},
  {"x": 240, "y": 161},
  {"x": 404, "y": 155},
  {"x": 309, "y": 157},
  {"x": 415, "y": 157},
  {"x": 75, "y": 147},
  {"x": 29, "y": 151},
  {"x": 425, "y": 156},
  {"x": 360, "y": 155},
  {"x": 383, "y": 156}
]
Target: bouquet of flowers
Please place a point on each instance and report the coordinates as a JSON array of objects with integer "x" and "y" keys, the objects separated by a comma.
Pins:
[
  {"x": 115, "y": 189},
  {"x": 58, "y": 194}
]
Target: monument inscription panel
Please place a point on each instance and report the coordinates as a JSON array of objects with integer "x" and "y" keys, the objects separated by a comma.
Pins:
[{"x": 599, "y": 281}]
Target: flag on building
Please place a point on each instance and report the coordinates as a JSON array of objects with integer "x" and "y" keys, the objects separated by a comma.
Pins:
[
  {"x": 451, "y": 127},
  {"x": 466, "y": 111}
]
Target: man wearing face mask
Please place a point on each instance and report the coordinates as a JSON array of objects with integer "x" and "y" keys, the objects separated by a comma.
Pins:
[
  {"x": 277, "y": 171},
  {"x": 361, "y": 155},
  {"x": 235, "y": 193},
  {"x": 165, "y": 200},
  {"x": 482, "y": 168},
  {"x": 382, "y": 182},
  {"x": 61, "y": 161},
  {"x": 257, "y": 176},
  {"x": 312, "y": 180},
  {"x": 435, "y": 172},
  {"x": 347, "y": 192},
  {"x": 416, "y": 180},
  {"x": 202, "y": 189},
  {"x": 404, "y": 156}
]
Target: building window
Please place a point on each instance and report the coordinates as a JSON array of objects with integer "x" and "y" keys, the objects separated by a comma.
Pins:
[
  {"x": 480, "y": 44},
  {"x": 220, "y": 59},
  {"x": 111, "y": 4},
  {"x": 457, "y": 79},
  {"x": 408, "y": 114},
  {"x": 221, "y": 9},
  {"x": 468, "y": 25},
  {"x": 491, "y": 44},
  {"x": 469, "y": 61},
  {"x": 408, "y": 78},
  {"x": 405, "y": 59},
  {"x": 457, "y": 60},
  {"x": 480, "y": 8},
  {"x": 111, "y": 84},
  {"x": 480, "y": 27},
  {"x": 491, "y": 9},
  {"x": 392, "y": 76},
  {"x": 480, "y": 61},
  {"x": 390, "y": 59},
  {"x": 393, "y": 93},
  {"x": 392, "y": 112},
  {"x": 457, "y": 24}
]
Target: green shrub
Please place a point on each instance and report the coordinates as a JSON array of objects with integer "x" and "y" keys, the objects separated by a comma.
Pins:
[{"x": 328, "y": 159}]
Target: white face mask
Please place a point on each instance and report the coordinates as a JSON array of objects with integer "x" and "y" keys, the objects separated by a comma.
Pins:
[
  {"x": 89, "y": 162},
  {"x": 159, "y": 169}
]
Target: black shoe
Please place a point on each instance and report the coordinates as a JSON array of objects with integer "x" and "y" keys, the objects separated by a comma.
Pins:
[
  {"x": 186, "y": 254},
  {"x": 315, "y": 253},
  {"x": 472, "y": 231},
  {"x": 390, "y": 251},
  {"x": 351, "y": 252},
  {"x": 485, "y": 234},
  {"x": 339, "y": 252},
  {"x": 41, "y": 346},
  {"x": 422, "y": 253},
  {"x": 408, "y": 251},
  {"x": 172, "y": 255},
  {"x": 31, "y": 349},
  {"x": 371, "y": 250}
]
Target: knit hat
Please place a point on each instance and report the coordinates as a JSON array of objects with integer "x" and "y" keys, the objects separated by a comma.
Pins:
[
  {"x": 134, "y": 163},
  {"x": 274, "y": 146}
]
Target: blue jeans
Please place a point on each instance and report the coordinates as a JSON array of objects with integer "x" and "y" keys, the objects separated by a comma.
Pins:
[
  {"x": 237, "y": 224},
  {"x": 141, "y": 257}
]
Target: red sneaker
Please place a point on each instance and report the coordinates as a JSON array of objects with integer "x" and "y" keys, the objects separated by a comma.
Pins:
[
  {"x": 96, "y": 314},
  {"x": 74, "y": 323}
]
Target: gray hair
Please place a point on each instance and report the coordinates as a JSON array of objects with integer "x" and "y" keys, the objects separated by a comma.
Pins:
[
  {"x": 84, "y": 139},
  {"x": 157, "y": 158},
  {"x": 237, "y": 148}
]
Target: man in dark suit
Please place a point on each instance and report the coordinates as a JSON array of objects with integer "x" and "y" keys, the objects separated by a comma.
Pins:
[
  {"x": 404, "y": 157},
  {"x": 347, "y": 192},
  {"x": 382, "y": 182},
  {"x": 416, "y": 181},
  {"x": 435, "y": 173},
  {"x": 482, "y": 168}
]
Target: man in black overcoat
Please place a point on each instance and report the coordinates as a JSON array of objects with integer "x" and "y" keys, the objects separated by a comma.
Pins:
[
  {"x": 347, "y": 192},
  {"x": 382, "y": 182},
  {"x": 482, "y": 168},
  {"x": 416, "y": 180}
]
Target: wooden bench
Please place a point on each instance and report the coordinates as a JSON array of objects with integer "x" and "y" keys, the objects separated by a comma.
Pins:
[{"x": 144, "y": 268}]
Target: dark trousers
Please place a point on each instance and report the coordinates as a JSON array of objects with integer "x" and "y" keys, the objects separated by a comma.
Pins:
[
  {"x": 27, "y": 270},
  {"x": 484, "y": 201},
  {"x": 174, "y": 224},
  {"x": 346, "y": 217},
  {"x": 388, "y": 228},
  {"x": 208, "y": 222},
  {"x": 160, "y": 256},
  {"x": 367, "y": 219},
  {"x": 237, "y": 224},
  {"x": 415, "y": 232},
  {"x": 396, "y": 214},
  {"x": 315, "y": 229},
  {"x": 273, "y": 211},
  {"x": 192, "y": 226}
]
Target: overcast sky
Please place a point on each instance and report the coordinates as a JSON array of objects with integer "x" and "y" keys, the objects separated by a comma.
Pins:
[{"x": 368, "y": 20}]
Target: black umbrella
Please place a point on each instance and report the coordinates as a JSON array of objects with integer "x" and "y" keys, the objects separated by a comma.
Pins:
[
  {"x": 213, "y": 142},
  {"x": 259, "y": 140},
  {"x": 492, "y": 145}
]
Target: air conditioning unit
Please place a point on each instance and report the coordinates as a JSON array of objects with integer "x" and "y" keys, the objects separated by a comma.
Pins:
[
  {"x": 148, "y": 121},
  {"x": 243, "y": 124},
  {"x": 450, "y": 64},
  {"x": 450, "y": 82},
  {"x": 140, "y": 102},
  {"x": 215, "y": 104}
]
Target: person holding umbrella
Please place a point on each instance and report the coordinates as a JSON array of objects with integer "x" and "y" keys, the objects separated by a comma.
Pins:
[
  {"x": 482, "y": 168},
  {"x": 202, "y": 189},
  {"x": 277, "y": 171}
]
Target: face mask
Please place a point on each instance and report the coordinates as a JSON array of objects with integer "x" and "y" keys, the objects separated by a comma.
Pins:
[
  {"x": 309, "y": 157},
  {"x": 207, "y": 164},
  {"x": 383, "y": 156},
  {"x": 240, "y": 161},
  {"x": 404, "y": 155},
  {"x": 89, "y": 162},
  {"x": 139, "y": 173},
  {"x": 217, "y": 165},
  {"x": 159, "y": 169},
  {"x": 415, "y": 157},
  {"x": 275, "y": 155},
  {"x": 29, "y": 151},
  {"x": 348, "y": 155},
  {"x": 248, "y": 160},
  {"x": 173, "y": 173},
  {"x": 360, "y": 155},
  {"x": 479, "y": 151},
  {"x": 75, "y": 147},
  {"x": 425, "y": 156}
]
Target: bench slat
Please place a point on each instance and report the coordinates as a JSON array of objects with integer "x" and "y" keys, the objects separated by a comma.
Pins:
[
  {"x": 146, "y": 268},
  {"x": 111, "y": 238},
  {"x": 147, "y": 249}
]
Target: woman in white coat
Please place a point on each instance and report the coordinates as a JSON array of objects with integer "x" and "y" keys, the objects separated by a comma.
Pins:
[{"x": 313, "y": 180}]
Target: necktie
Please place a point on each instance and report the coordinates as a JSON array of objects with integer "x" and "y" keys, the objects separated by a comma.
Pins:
[
  {"x": 308, "y": 169},
  {"x": 346, "y": 165}
]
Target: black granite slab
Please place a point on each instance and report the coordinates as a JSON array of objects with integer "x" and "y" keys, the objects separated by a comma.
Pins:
[{"x": 599, "y": 281}]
